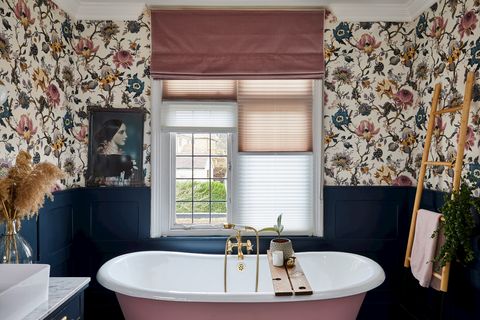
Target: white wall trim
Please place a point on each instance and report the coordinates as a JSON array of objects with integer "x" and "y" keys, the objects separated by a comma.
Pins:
[
  {"x": 351, "y": 12},
  {"x": 416, "y": 7},
  {"x": 129, "y": 10},
  {"x": 156, "y": 202},
  {"x": 69, "y": 6},
  {"x": 318, "y": 158}
]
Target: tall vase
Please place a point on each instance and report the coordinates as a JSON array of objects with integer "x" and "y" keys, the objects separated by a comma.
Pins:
[{"x": 13, "y": 247}]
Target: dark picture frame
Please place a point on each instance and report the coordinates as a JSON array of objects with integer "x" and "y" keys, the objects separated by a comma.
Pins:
[{"x": 115, "y": 147}]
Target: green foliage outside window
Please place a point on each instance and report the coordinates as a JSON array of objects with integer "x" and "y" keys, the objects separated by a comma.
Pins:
[{"x": 201, "y": 193}]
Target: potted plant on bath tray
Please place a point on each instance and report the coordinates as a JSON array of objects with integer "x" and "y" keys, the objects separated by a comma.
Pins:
[{"x": 278, "y": 243}]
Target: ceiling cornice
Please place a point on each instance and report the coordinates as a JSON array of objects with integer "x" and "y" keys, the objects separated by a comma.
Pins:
[{"x": 355, "y": 12}]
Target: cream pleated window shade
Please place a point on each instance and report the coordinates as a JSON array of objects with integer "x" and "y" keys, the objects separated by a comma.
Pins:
[
  {"x": 223, "y": 90},
  {"x": 270, "y": 184},
  {"x": 178, "y": 116},
  {"x": 275, "y": 115}
]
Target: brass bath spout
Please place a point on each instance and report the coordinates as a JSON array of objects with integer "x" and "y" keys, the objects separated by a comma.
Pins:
[{"x": 229, "y": 245}]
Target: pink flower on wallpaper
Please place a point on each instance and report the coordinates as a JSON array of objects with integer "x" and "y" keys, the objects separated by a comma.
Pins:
[
  {"x": 470, "y": 141},
  {"x": 438, "y": 28},
  {"x": 122, "y": 58},
  {"x": 368, "y": 44},
  {"x": 22, "y": 12},
  {"x": 439, "y": 128},
  {"x": 85, "y": 48},
  {"x": 53, "y": 95},
  {"x": 468, "y": 23},
  {"x": 366, "y": 130},
  {"x": 25, "y": 128},
  {"x": 402, "y": 181},
  {"x": 81, "y": 135},
  {"x": 404, "y": 98}
]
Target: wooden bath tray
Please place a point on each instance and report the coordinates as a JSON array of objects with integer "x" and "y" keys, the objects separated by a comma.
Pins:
[{"x": 288, "y": 281}]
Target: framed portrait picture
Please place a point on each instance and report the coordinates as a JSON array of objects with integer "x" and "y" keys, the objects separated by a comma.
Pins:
[{"x": 115, "y": 147}]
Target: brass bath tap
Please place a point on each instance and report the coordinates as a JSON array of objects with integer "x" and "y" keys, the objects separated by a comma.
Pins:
[
  {"x": 239, "y": 245},
  {"x": 229, "y": 245}
]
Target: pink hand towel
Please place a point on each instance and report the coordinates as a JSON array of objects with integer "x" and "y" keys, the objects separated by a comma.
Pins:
[{"x": 424, "y": 246}]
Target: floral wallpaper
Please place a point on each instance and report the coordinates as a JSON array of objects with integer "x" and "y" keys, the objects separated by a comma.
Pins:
[
  {"x": 370, "y": 129},
  {"x": 447, "y": 40},
  {"x": 54, "y": 69},
  {"x": 378, "y": 88}
]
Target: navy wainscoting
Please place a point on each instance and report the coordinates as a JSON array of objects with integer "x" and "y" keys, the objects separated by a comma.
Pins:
[
  {"x": 461, "y": 302},
  {"x": 85, "y": 227}
]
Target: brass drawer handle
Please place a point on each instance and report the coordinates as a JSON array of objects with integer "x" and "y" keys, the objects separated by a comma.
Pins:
[{"x": 64, "y": 318}]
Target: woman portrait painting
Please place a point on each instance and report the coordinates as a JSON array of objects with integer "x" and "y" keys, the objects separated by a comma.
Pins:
[{"x": 112, "y": 155}]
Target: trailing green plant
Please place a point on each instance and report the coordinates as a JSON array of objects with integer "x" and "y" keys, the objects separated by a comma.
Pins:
[
  {"x": 458, "y": 226},
  {"x": 278, "y": 228}
]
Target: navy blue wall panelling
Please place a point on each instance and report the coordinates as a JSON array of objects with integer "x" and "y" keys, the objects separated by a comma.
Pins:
[
  {"x": 85, "y": 227},
  {"x": 29, "y": 231},
  {"x": 56, "y": 231}
]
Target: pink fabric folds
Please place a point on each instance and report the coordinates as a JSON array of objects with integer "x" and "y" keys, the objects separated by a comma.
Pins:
[
  {"x": 237, "y": 44},
  {"x": 424, "y": 246}
]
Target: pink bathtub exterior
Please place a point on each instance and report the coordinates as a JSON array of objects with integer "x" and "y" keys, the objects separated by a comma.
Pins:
[
  {"x": 345, "y": 308},
  {"x": 158, "y": 285}
]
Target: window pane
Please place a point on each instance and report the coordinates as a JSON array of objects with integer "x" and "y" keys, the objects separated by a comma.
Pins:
[
  {"x": 184, "y": 144},
  {"x": 183, "y": 167},
  {"x": 183, "y": 213},
  {"x": 202, "y": 167},
  {"x": 219, "y": 208},
  {"x": 219, "y": 190},
  {"x": 201, "y": 209},
  {"x": 201, "y": 190},
  {"x": 218, "y": 218},
  {"x": 219, "y": 168},
  {"x": 219, "y": 144},
  {"x": 201, "y": 184},
  {"x": 184, "y": 190},
  {"x": 201, "y": 144}
]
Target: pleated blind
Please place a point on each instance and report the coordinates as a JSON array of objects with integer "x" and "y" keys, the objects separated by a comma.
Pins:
[
  {"x": 199, "y": 117},
  {"x": 224, "y": 90},
  {"x": 268, "y": 185},
  {"x": 275, "y": 115}
]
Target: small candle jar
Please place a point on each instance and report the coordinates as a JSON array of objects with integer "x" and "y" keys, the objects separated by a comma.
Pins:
[{"x": 277, "y": 258}]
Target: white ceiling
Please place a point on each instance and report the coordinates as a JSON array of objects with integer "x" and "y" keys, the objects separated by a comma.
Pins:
[{"x": 345, "y": 10}]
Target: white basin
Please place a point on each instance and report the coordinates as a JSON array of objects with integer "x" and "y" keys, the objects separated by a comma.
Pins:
[{"x": 23, "y": 287}]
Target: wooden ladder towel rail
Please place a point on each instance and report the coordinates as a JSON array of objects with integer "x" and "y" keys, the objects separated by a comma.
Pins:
[{"x": 458, "y": 164}]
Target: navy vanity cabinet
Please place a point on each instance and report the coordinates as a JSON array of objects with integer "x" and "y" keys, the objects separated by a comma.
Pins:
[{"x": 70, "y": 310}]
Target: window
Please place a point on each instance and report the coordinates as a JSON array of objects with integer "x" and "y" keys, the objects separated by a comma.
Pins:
[
  {"x": 236, "y": 151},
  {"x": 201, "y": 178}
]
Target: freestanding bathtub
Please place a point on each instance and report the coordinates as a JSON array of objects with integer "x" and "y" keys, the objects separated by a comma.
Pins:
[{"x": 184, "y": 286}]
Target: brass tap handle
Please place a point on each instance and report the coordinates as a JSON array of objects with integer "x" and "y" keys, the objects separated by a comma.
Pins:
[
  {"x": 249, "y": 247},
  {"x": 229, "y": 247},
  {"x": 240, "y": 251}
]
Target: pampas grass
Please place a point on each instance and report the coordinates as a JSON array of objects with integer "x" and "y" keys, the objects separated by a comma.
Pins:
[{"x": 23, "y": 190}]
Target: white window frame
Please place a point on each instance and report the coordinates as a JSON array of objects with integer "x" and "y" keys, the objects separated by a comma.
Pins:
[{"x": 163, "y": 188}]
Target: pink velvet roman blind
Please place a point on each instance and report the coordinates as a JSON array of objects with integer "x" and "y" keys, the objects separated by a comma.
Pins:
[{"x": 237, "y": 44}]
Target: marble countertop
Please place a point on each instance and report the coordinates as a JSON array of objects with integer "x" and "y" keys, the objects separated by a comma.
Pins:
[{"x": 59, "y": 291}]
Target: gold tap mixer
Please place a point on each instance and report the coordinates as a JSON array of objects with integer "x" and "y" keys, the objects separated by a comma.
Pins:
[
  {"x": 239, "y": 245},
  {"x": 229, "y": 245}
]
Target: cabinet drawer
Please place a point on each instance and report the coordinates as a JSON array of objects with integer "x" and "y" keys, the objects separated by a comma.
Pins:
[{"x": 71, "y": 310}]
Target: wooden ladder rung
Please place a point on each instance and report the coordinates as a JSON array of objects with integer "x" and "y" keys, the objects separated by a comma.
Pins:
[
  {"x": 439, "y": 163},
  {"x": 449, "y": 110},
  {"x": 437, "y": 275}
]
